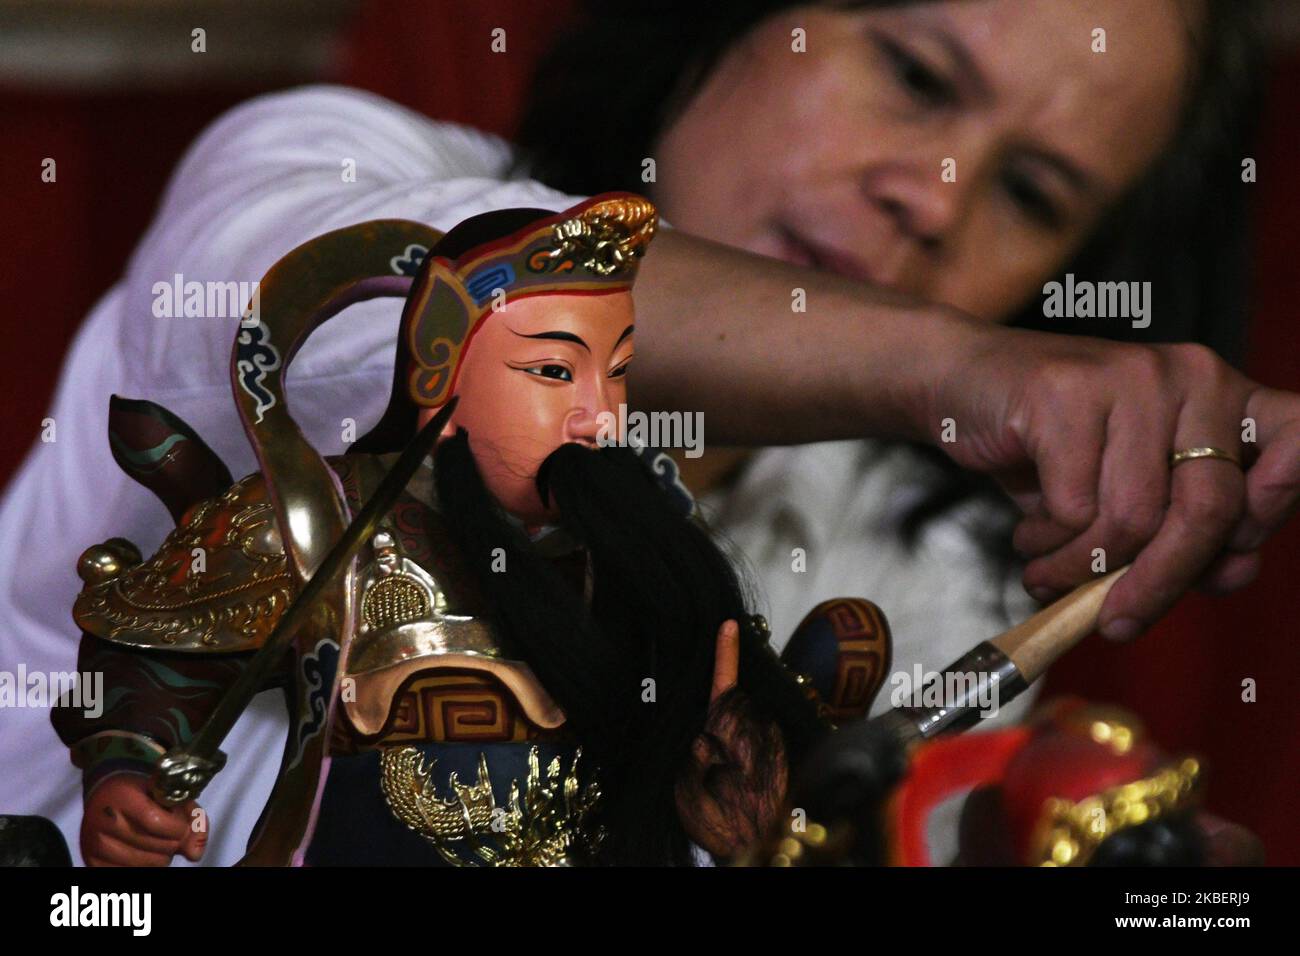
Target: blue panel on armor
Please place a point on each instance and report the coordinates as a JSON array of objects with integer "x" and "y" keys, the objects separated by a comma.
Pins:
[{"x": 815, "y": 651}]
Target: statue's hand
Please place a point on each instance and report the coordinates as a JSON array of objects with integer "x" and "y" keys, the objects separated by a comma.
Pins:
[
  {"x": 124, "y": 826},
  {"x": 736, "y": 782}
]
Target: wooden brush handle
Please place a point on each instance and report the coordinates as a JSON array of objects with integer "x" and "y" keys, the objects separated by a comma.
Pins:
[{"x": 1034, "y": 645}]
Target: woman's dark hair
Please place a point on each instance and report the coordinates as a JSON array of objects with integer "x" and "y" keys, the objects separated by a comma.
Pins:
[
  {"x": 633, "y": 671},
  {"x": 1183, "y": 227}
]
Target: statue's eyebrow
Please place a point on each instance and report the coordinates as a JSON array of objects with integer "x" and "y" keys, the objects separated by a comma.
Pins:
[
  {"x": 561, "y": 336},
  {"x": 626, "y": 332}
]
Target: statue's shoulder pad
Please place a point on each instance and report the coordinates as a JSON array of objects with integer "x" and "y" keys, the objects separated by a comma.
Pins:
[
  {"x": 218, "y": 583},
  {"x": 842, "y": 650}
]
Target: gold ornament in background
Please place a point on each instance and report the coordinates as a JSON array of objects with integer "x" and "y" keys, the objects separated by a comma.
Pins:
[{"x": 1071, "y": 832}]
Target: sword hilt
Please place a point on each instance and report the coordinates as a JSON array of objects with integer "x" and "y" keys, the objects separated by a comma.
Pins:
[{"x": 181, "y": 776}]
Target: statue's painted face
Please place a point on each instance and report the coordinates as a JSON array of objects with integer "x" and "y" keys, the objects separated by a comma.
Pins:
[{"x": 537, "y": 374}]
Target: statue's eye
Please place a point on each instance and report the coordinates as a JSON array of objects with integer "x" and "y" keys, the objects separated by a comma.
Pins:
[
  {"x": 620, "y": 371},
  {"x": 557, "y": 372}
]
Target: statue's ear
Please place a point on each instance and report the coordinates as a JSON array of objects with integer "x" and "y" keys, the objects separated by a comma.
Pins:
[{"x": 449, "y": 428}]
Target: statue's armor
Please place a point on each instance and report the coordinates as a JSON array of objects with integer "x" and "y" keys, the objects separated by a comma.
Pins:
[
  {"x": 443, "y": 750},
  {"x": 412, "y": 737},
  {"x": 435, "y": 725}
]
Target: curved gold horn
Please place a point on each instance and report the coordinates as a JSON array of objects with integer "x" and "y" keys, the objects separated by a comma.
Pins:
[{"x": 303, "y": 290}]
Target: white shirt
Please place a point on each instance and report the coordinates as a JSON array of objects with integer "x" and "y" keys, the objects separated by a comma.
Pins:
[
  {"x": 264, "y": 178},
  {"x": 822, "y": 520}
]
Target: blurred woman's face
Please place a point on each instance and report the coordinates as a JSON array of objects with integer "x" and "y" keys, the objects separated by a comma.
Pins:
[{"x": 836, "y": 157}]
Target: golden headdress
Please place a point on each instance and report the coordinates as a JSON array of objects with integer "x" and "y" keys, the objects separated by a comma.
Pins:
[{"x": 593, "y": 248}]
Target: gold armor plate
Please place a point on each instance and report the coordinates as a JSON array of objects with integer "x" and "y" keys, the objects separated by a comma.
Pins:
[
  {"x": 383, "y": 664},
  {"x": 219, "y": 581},
  {"x": 405, "y": 631}
]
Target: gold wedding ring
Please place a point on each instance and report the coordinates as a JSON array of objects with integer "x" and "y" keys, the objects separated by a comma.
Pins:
[{"x": 1191, "y": 454}]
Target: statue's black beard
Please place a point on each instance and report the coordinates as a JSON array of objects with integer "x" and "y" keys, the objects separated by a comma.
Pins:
[{"x": 661, "y": 589}]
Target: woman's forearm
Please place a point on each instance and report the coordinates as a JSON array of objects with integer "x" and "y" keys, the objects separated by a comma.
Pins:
[{"x": 718, "y": 333}]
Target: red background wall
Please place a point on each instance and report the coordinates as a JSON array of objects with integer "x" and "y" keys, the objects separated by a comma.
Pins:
[{"x": 67, "y": 245}]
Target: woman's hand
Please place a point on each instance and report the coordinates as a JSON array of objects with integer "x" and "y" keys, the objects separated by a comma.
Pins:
[
  {"x": 124, "y": 826},
  {"x": 736, "y": 784},
  {"x": 1080, "y": 431}
]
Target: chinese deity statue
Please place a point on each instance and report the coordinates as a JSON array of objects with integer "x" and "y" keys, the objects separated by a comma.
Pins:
[{"x": 537, "y": 655}]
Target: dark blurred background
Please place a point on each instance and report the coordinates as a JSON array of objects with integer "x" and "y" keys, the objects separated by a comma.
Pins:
[{"x": 110, "y": 89}]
